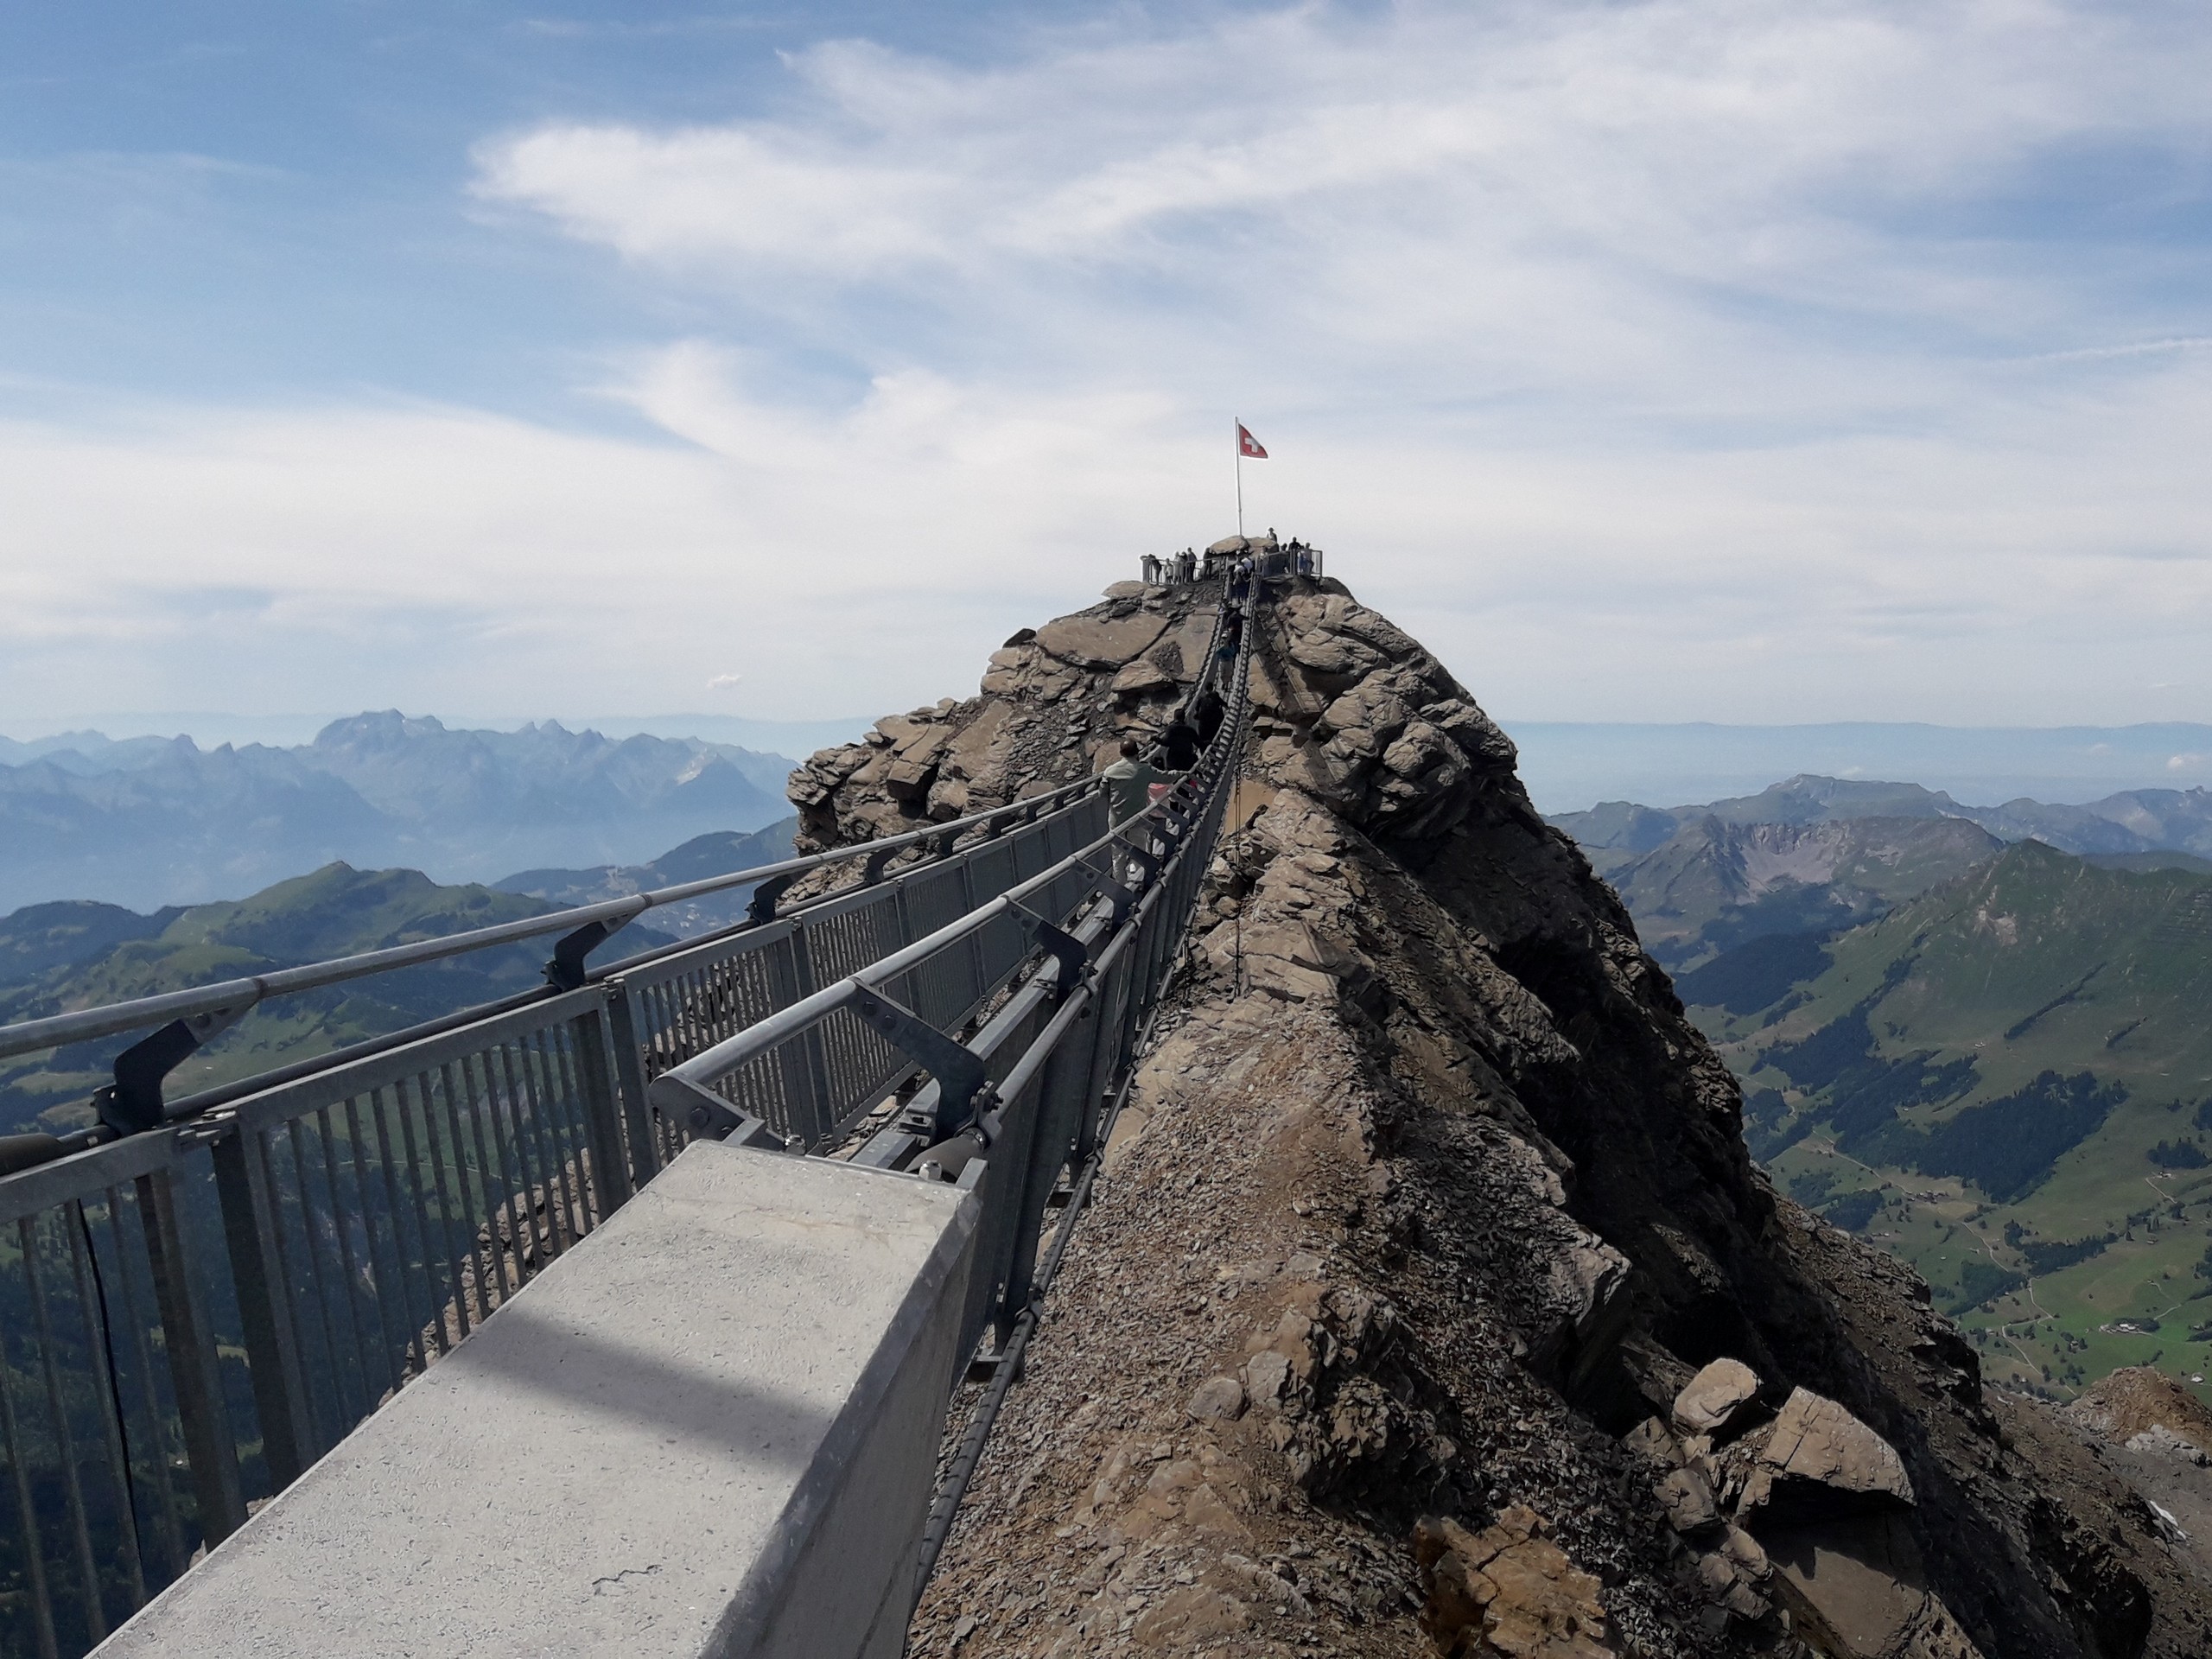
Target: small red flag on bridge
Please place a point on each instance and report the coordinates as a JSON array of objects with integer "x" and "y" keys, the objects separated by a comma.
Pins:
[{"x": 1248, "y": 445}]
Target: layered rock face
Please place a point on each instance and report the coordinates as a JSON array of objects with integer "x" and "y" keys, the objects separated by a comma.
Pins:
[{"x": 1431, "y": 1303}]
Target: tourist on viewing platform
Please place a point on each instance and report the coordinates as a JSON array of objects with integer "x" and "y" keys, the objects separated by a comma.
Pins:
[
  {"x": 1240, "y": 582},
  {"x": 1151, "y": 563}
]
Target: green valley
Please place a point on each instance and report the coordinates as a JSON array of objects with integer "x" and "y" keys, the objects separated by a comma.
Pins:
[{"x": 2006, "y": 1081}]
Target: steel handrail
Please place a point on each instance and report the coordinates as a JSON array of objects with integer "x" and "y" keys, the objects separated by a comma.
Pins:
[
  {"x": 758, "y": 1038},
  {"x": 225, "y": 997}
]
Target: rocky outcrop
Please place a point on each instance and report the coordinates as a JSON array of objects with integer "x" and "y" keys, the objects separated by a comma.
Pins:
[{"x": 1430, "y": 1206}]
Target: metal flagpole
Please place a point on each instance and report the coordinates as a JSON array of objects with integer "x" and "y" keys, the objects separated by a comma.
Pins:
[{"x": 1237, "y": 443}]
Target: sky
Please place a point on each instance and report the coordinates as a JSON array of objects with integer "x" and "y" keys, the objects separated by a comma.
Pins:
[{"x": 1673, "y": 360}]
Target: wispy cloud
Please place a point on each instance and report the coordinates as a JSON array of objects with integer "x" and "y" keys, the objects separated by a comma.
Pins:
[{"x": 1697, "y": 358}]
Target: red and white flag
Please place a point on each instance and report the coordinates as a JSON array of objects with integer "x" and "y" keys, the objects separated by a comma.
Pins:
[{"x": 1248, "y": 446}]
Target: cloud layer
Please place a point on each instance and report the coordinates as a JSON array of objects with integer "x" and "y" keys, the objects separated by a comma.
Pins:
[{"x": 1693, "y": 359}]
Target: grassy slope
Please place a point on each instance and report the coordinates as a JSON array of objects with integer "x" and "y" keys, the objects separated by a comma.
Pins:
[{"x": 2037, "y": 962}]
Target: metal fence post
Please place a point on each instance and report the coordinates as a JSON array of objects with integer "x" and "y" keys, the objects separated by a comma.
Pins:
[
  {"x": 248, "y": 1233},
  {"x": 610, "y": 1169},
  {"x": 629, "y": 1082},
  {"x": 209, "y": 1446}
]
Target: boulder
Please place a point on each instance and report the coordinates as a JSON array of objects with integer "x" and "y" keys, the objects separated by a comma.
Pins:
[
  {"x": 1819, "y": 1460},
  {"x": 1506, "y": 1590},
  {"x": 1140, "y": 676},
  {"x": 1218, "y": 1398},
  {"x": 1088, "y": 641},
  {"x": 1716, "y": 1399},
  {"x": 1228, "y": 544},
  {"x": 1126, "y": 590},
  {"x": 1686, "y": 1497}
]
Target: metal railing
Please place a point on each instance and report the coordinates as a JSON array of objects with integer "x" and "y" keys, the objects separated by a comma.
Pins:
[{"x": 192, "y": 1313}]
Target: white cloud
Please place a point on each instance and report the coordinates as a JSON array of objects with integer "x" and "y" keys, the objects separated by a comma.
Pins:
[{"x": 1691, "y": 359}]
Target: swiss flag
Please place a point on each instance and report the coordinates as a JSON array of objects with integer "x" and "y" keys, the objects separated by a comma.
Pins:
[{"x": 1248, "y": 445}]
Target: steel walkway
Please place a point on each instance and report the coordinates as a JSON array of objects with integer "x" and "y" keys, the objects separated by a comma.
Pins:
[{"x": 199, "y": 1298}]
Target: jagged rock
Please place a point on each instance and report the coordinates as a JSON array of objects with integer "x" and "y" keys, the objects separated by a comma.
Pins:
[
  {"x": 1100, "y": 641},
  {"x": 1506, "y": 1591},
  {"x": 1686, "y": 1497},
  {"x": 1819, "y": 1460},
  {"x": 1140, "y": 676},
  {"x": 1266, "y": 1375},
  {"x": 1126, "y": 590},
  {"x": 1219, "y": 1398},
  {"x": 1715, "y": 1398}
]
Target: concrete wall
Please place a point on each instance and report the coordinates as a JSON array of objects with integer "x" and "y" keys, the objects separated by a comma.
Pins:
[{"x": 709, "y": 1429}]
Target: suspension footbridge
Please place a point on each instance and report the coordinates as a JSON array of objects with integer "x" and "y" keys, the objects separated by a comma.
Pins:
[{"x": 621, "y": 1314}]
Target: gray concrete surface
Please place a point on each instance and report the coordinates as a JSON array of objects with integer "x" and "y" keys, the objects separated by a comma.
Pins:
[{"x": 709, "y": 1429}]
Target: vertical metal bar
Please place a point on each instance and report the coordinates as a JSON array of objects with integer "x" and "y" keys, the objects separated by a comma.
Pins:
[
  {"x": 170, "y": 1527},
  {"x": 560, "y": 1124},
  {"x": 529, "y": 1149},
  {"x": 341, "y": 1417},
  {"x": 315, "y": 1433},
  {"x": 250, "y": 1232},
  {"x": 107, "y": 1386},
  {"x": 387, "y": 1339},
  {"x": 500, "y": 1104},
  {"x": 413, "y": 1353},
  {"x": 209, "y": 1447},
  {"x": 514, "y": 1062},
  {"x": 458, "y": 1303},
  {"x": 27, "y": 1517},
  {"x": 610, "y": 1170},
  {"x": 64, "y": 1443},
  {"x": 629, "y": 1082},
  {"x": 347, "y": 1288},
  {"x": 531, "y": 1130},
  {"x": 466, "y": 1269},
  {"x": 422, "y": 1167},
  {"x": 486, "y": 1261}
]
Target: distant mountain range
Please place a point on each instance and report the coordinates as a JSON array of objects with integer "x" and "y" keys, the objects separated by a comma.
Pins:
[
  {"x": 1815, "y": 854},
  {"x": 148, "y": 821}
]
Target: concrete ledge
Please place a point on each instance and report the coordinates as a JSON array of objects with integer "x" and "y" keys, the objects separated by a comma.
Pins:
[{"x": 710, "y": 1428}]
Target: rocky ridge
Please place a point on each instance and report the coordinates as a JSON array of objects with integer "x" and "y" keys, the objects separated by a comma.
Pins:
[{"x": 1431, "y": 1302}]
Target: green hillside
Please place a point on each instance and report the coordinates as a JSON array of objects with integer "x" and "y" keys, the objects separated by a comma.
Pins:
[
  {"x": 336, "y": 910},
  {"x": 2008, "y": 1082}
]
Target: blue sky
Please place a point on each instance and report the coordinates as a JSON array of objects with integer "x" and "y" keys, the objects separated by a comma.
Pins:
[{"x": 1690, "y": 360}]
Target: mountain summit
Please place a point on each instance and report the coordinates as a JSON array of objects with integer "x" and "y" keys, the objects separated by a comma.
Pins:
[{"x": 1433, "y": 1302}]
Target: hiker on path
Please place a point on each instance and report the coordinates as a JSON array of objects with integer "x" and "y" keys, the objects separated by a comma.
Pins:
[{"x": 1129, "y": 783}]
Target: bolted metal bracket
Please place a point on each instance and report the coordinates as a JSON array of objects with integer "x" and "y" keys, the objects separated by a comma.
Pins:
[
  {"x": 958, "y": 1072},
  {"x": 132, "y": 1104},
  {"x": 1111, "y": 891},
  {"x": 1142, "y": 856},
  {"x": 1072, "y": 954},
  {"x": 709, "y": 1117},
  {"x": 566, "y": 970},
  {"x": 761, "y": 907}
]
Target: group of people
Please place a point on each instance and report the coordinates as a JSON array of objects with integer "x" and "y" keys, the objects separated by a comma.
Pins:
[{"x": 1265, "y": 559}]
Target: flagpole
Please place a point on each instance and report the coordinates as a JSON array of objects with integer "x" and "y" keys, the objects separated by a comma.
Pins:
[{"x": 1237, "y": 443}]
